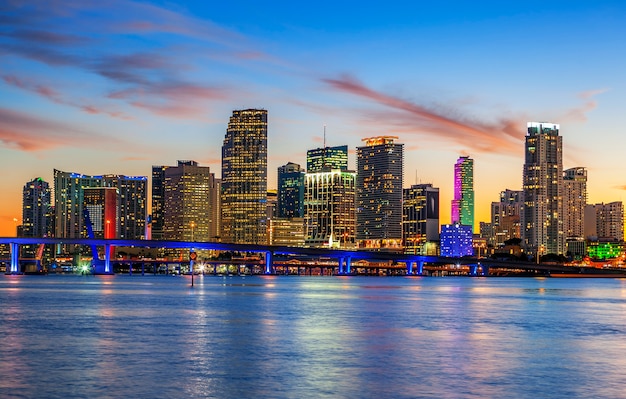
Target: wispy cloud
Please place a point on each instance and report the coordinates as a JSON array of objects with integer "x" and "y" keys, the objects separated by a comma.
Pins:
[
  {"x": 579, "y": 114},
  {"x": 400, "y": 115},
  {"x": 26, "y": 132}
]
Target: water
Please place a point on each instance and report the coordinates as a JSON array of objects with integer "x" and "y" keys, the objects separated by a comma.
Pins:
[{"x": 311, "y": 337}]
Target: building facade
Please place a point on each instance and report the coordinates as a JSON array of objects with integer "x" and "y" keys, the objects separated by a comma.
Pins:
[
  {"x": 420, "y": 217},
  {"x": 543, "y": 190},
  {"x": 244, "y": 178},
  {"x": 36, "y": 209},
  {"x": 329, "y": 209},
  {"x": 574, "y": 202},
  {"x": 506, "y": 217},
  {"x": 290, "y": 191},
  {"x": 456, "y": 240},
  {"x": 327, "y": 158},
  {"x": 463, "y": 200},
  {"x": 101, "y": 205},
  {"x": 379, "y": 193},
  {"x": 605, "y": 222}
]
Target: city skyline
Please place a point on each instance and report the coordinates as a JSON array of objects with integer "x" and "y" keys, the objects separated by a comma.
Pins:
[{"x": 87, "y": 90}]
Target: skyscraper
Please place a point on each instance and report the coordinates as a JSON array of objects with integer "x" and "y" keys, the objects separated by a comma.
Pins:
[
  {"x": 244, "y": 178},
  {"x": 463, "y": 201},
  {"x": 327, "y": 158},
  {"x": 420, "y": 222},
  {"x": 543, "y": 190},
  {"x": 329, "y": 208},
  {"x": 506, "y": 217},
  {"x": 102, "y": 207},
  {"x": 290, "y": 191},
  {"x": 36, "y": 209},
  {"x": 379, "y": 193},
  {"x": 605, "y": 222},
  {"x": 574, "y": 202}
]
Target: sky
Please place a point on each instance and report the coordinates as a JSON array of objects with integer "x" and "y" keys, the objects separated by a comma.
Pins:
[{"x": 116, "y": 87}]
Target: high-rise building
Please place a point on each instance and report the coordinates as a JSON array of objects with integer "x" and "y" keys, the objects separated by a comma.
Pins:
[
  {"x": 187, "y": 210},
  {"x": 506, "y": 217},
  {"x": 456, "y": 240},
  {"x": 605, "y": 222},
  {"x": 286, "y": 231},
  {"x": 158, "y": 202},
  {"x": 420, "y": 221},
  {"x": 327, "y": 158},
  {"x": 244, "y": 178},
  {"x": 100, "y": 203},
  {"x": 379, "y": 193},
  {"x": 543, "y": 190},
  {"x": 290, "y": 191},
  {"x": 69, "y": 199},
  {"x": 463, "y": 201},
  {"x": 36, "y": 209},
  {"x": 574, "y": 202},
  {"x": 329, "y": 208}
]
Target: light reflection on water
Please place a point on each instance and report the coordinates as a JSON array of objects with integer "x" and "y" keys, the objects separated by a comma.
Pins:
[{"x": 311, "y": 337}]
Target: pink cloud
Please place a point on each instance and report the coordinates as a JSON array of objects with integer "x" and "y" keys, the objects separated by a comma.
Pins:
[
  {"x": 400, "y": 115},
  {"x": 579, "y": 114}
]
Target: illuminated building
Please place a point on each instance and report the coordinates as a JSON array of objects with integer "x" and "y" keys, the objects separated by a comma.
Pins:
[
  {"x": 605, "y": 221},
  {"x": 420, "y": 217},
  {"x": 326, "y": 158},
  {"x": 103, "y": 209},
  {"x": 456, "y": 240},
  {"x": 379, "y": 193},
  {"x": 329, "y": 208},
  {"x": 605, "y": 249},
  {"x": 158, "y": 202},
  {"x": 574, "y": 202},
  {"x": 36, "y": 209},
  {"x": 244, "y": 178},
  {"x": 286, "y": 231},
  {"x": 187, "y": 209},
  {"x": 542, "y": 219},
  {"x": 506, "y": 217},
  {"x": 68, "y": 203},
  {"x": 463, "y": 201},
  {"x": 290, "y": 191}
]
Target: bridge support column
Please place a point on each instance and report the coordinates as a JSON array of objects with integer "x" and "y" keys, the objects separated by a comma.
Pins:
[
  {"x": 107, "y": 258},
  {"x": 15, "y": 258},
  {"x": 473, "y": 270},
  {"x": 485, "y": 270},
  {"x": 268, "y": 262},
  {"x": 409, "y": 267},
  {"x": 340, "y": 271},
  {"x": 348, "y": 265},
  {"x": 420, "y": 268}
]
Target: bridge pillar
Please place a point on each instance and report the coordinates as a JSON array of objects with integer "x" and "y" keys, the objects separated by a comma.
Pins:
[
  {"x": 473, "y": 270},
  {"x": 409, "y": 267},
  {"x": 340, "y": 271},
  {"x": 107, "y": 258},
  {"x": 420, "y": 268},
  {"x": 268, "y": 262},
  {"x": 15, "y": 258},
  {"x": 485, "y": 270},
  {"x": 348, "y": 264}
]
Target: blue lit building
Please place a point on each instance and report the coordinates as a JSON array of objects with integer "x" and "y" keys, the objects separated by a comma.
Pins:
[
  {"x": 290, "y": 191},
  {"x": 456, "y": 240}
]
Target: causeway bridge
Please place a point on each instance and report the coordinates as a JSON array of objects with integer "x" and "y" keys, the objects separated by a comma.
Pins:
[{"x": 414, "y": 264}]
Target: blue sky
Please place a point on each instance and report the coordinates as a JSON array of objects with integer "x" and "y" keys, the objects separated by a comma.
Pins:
[{"x": 118, "y": 86}]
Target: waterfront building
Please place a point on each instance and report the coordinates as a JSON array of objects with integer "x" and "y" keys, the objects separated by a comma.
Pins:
[
  {"x": 286, "y": 232},
  {"x": 271, "y": 205},
  {"x": 327, "y": 158},
  {"x": 244, "y": 178},
  {"x": 36, "y": 209},
  {"x": 68, "y": 203},
  {"x": 456, "y": 240},
  {"x": 158, "y": 202},
  {"x": 574, "y": 202},
  {"x": 187, "y": 209},
  {"x": 329, "y": 208},
  {"x": 420, "y": 217},
  {"x": 605, "y": 221},
  {"x": 506, "y": 217},
  {"x": 379, "y": 193},
  {"x": 290, "y": 191},
  {"x": 463, "y": 201},
  {"x": 543, "y": 190},
  {"x": 101, "y": 205}
]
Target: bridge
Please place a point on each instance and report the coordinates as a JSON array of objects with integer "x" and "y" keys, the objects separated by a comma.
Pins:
[{"x": 414, "y": 264}]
